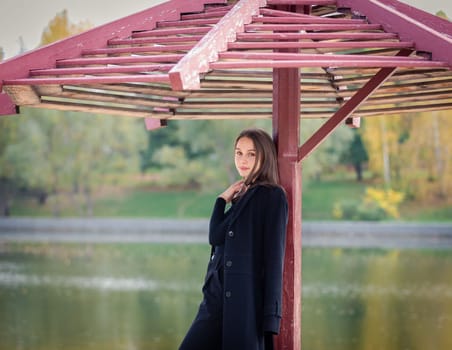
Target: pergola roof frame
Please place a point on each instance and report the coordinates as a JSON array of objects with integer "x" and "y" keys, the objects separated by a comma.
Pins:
[{"x": 279, "y": 59}]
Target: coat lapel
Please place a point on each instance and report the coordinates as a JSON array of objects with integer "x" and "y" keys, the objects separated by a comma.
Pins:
[{"x": 241, "y": 204}]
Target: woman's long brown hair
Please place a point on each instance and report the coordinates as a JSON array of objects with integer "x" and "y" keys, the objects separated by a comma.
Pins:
[{"x": 265, "y": 170}]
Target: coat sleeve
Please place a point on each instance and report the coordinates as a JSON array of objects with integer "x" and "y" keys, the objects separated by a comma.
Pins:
[
  {"x": 218, "y": 223},
  {"x": 275, "y": 222}
]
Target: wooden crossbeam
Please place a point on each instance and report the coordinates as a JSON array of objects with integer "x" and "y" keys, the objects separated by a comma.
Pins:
[
  {"x": 185, "y": 75},
  {"x": 319, "y": 45}
]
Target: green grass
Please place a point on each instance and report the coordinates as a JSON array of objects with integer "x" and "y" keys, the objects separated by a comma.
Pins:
[
  {"x": 157, "y": 204},
  {"x": 319, "y": 198}
]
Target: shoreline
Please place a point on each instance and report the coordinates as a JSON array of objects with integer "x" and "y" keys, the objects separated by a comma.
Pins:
[{"x": 314, "y": 233}]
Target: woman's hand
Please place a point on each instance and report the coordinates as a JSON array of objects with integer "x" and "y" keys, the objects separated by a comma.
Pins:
[{"x": 229, "y": 193}]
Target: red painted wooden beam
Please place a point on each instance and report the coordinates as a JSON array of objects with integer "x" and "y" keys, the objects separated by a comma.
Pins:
[
  {"x": 346, "y": 110},
  {"x": 137, "y": 49},
  {"x": 154, "y": 124},
  {"x": 431, "y": 33},
  {"x": 315, "y": 36},
  {"x": 301, "y": 2},
  {"x": 156, "y": 40},
  {"x": 144, "y": 78},
  {"x": 298, "y": 27},
  {"x": 306, "y": 20},
  {"x": 102, "y": 70},
  {"x": 118, "y": 60},
  {"x": 185, "y": 75},
  {"x": 326, "y": 62},
  {"x": 286, "y": 128},
  {"x": 169, "y": 32},
  {"x": 395, "y": 60},
  {"x": 319, "y": 45},
  {"x": 187, "y": 23},
  {"x": 45, "y": 57},
  {"x": 7, "y": 107}
]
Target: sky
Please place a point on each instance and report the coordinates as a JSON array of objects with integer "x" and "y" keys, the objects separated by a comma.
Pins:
[{"x": 26, "y": 19}]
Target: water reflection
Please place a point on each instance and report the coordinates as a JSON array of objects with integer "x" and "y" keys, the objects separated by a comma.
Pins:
[
  {"x": 16, "y": 280},
  {"x": 143, "y": 296}
]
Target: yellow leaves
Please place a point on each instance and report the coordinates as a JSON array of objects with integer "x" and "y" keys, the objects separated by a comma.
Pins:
[
  {"x": 412, "y": 153},
  {"x": 377, "y": 204},
  {"x": 388, "y": 200},
  {"x": 60, "y": 27}
]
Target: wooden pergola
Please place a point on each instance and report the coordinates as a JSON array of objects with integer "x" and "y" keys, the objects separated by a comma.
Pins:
[{"x": 215, "y": 59}]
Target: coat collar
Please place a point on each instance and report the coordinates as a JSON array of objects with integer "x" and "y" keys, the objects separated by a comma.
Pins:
[{"x": 241, "y": 204}]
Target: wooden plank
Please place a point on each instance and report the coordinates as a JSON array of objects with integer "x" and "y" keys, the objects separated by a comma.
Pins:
[
  {"x": 118, "y": 60},
  {"x": 188, "y": 22},
  {"x": 167, "y": 32},
  {"x": 309, "y": 27},
  {"x": 315, "y": 36},
  {"x": 96, "y": 109},
  {"x": 22, "y": 95},
  {"x": 431, "y": 33},
  {"x": 108, "y": 98},
  {"x": 301, "y": 2},
  {"x": 102, "y": 70},
  {"x": 245, "y": 45},
  {"x": 155, "y": 40},
  {"x": 45, "y": 57},
  {"x": 186, "y": 74},
  {"x": 300, "y": 56},
  {"x": 326, "y": 62},
  {"x": 146, "y": 78},
  {"x": 305, "y": 20},
  {"x": 137, "y": 49}
]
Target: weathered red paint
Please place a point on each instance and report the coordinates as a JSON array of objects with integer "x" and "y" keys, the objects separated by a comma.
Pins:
[
  {"x": 326, "y": 62},
  {"x": 315, "y": 36},
  {"x": 412, "y": 24},
  {"x": 286, "y": 129},
  {"x": 45, "y": 57},
  {"x": 7, "y": 107},
  {"x": 154, "y": 124},
  {"x": 320, "y": 45},
  {"x": 145, "y": 78},
  {"x": 84, "y": 61},
  {"x": 301, "y": 2},
  {"x": 185, "y": 75},
  {"x": 102, "y": 70},
  {"x": 298, "y": 27}
]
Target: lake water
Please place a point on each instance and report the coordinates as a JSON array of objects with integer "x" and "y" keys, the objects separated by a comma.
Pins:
[{"x": 72, "y": 296}]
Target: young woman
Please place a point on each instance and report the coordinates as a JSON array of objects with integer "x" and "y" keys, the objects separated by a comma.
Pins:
[{"x": 241, "y": 308}]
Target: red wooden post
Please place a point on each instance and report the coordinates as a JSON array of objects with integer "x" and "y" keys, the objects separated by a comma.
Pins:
[{"x": 286, "y": 131}]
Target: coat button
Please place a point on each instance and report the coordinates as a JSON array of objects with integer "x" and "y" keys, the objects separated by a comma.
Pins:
[
  {"x": 228, "y": 294},
  {"x": 229, "y": 263},
  {"x": 231, "y": 234}
]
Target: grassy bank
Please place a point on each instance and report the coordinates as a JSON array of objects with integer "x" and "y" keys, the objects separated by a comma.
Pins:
[{"x": 318, "y": 202}]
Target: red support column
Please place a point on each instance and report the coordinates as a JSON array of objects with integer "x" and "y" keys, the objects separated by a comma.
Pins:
[{"x": 286, "y": 131}]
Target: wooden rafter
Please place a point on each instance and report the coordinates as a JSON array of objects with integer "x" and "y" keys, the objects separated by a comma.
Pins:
[{"x": 335, "y": 52}]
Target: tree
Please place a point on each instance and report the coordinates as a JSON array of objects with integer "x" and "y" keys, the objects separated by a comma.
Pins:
[
  {"x": 356, "y": 155},
  {"x": 65, "y": 153},
  {"x": 60, "y": 27}
]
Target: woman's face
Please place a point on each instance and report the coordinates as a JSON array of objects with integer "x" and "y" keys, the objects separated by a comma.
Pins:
[{"x": 245, "y": 156}]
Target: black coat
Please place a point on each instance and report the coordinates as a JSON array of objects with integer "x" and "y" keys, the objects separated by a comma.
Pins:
[{"x": 254, "y": 235}]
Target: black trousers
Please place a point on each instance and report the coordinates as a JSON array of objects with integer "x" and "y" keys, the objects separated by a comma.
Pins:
[{"x": 206, "y": 331}]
